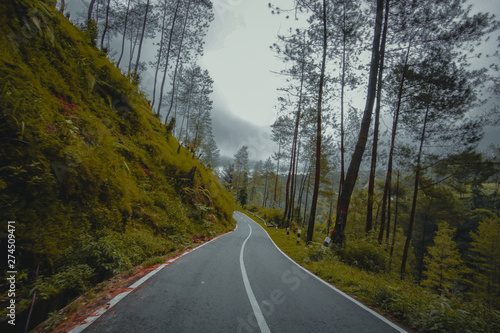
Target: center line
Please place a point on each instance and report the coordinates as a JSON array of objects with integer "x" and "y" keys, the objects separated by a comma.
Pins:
[{"x": 253, "y": 301}]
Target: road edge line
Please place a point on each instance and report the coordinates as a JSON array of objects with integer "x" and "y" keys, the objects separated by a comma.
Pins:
[
  {"x": 264, "y": 328},
  {"x": 93, "y": 317},
  {"x": 355, "y": 301}
]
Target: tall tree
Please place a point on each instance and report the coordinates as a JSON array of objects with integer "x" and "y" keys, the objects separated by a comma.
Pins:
[
  {"x": 184, "y": 43},
  {"x": 227, "y": 176},
  {"x": 441, "y": 94},
  {"x": 395, "y": 121},
  {"x": 210, "y": 151},
  {"x": 106, "y": 24},
  {"x": 312, "y": 217},
  {"x": 195, "y": 103},
  {"x": 373, "y": 167},
  {"x": 297, "y": 50},
  {"x": 347, "y": 23},
  {"x": 124, "y": 33},
  {"x": 279, "y": 135},
  {"x": 91, "y": 9},
  {"x": 352, "y": 172},
  {"x": 146, "y": 12},
  {"x": 160, "y": 50}
]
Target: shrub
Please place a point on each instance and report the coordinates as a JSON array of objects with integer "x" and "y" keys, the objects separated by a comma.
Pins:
[
  {"x": 364, "y": 253},
  {"x": 73, "y": 278},
  {"x": 271, "y": 215}
]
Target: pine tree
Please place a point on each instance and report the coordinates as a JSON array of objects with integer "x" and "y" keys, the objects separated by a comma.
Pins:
[
  {"x": 444, "y": 264},
  {"x": 486, "y": 279},
  {"x": 352, "y": 172}
]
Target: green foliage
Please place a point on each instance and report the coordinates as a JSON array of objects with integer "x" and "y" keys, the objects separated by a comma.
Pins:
[
  {"x": 486, "y": 247},
  {"x": 365, "y": 253},
  {"x": 73, "y": 278},
  {"x": 91, "y": 31},
  {"x": 85, "y": 168},
  {"x": 271, "y": 215},
  {"x": 444, "y": 264}
]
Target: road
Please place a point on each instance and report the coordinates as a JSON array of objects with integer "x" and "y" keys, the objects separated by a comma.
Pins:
[{"x": 239, "y": 282}]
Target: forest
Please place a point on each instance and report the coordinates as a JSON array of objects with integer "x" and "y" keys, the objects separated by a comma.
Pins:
[{"x": 378, "y": 153}]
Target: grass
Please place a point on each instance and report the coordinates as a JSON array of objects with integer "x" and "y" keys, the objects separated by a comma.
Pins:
[
  {"x": 403, "y": 301},
  {"x": 86, "y": 168}
]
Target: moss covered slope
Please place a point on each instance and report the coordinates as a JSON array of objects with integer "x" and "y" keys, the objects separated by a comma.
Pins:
[{"x": 86, "y": 169}]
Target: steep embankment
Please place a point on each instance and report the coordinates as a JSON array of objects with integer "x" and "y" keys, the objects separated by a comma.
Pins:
[{"x": 87, "y": 172}]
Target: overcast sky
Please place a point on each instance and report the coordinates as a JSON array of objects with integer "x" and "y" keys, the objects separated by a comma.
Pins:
[
  {"x": 238, "y": 57},
  {"x": 239, "y": 60}
]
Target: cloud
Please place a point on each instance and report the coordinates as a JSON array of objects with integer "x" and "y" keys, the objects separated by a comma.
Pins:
[{"x": 232, "y": 132}]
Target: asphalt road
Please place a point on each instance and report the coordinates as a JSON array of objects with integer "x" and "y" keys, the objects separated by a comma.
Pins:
[{"x": 239, "y": 282}]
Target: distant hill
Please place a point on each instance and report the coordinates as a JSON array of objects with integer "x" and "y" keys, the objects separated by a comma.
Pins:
[{"x": 90, "y": 176}]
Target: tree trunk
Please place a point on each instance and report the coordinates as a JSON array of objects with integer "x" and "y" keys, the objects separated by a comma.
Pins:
[
  {"x": 395, "y": 222},
  {"x": 422, "y": 248},
  {"x": 307, "y": 194},
  {"x": 414, "y": 201},
  {"x": 133, "y": 44},
  {"x": 388, "y": 218},
  {"x": 160, "y": 51},
  {"x": 290, "y": 181},
  {"x": 301, "y": 189},
  {"x": 294, "y": 181},
  {"x": 187, "y": 121},
  {"x": 277, "y": 174},
  {"x": 329, "y": 219},
  {"x": 342, "y": 133},
  {"x": 142, "y": 39},
  {"x": 314, "y": 202},
  {"x": 352, "y": 172},
  {"x": 174, "y": 79},
  {"x": 91, "y": 8},
  {"x": 264, "y": 195},
  {"x": 105, "y": 25},
  {"x": 124, "y": 34},
  {"x": 388, "y": 177},
  {"x": 167, "y": 58},
  {"x": 373, "y": 168}
]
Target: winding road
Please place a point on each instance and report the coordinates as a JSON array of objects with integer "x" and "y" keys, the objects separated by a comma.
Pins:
[{"x": 240, "y": 282}]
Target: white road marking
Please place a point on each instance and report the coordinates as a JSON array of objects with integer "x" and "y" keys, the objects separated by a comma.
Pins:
[
  {"x": 251, "y": 297},
  {"x": 93, "y": 317},
  {"x": 374, "y": 313}
]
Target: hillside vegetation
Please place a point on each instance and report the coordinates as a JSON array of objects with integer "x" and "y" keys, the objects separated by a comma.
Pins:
[{"x": 90, "y": 176}]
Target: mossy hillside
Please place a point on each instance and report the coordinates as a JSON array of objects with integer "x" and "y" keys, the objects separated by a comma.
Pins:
[{"x": 86, "y": 169}]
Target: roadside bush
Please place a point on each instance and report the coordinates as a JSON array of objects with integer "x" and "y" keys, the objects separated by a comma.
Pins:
[
  {"x": 108, "y": 254},
  {"x": 73, "y": 278},
  {"x": 271, "y": 215},
  {"x": 364, "y": 253},
  {"x": 252, "y": 208}
]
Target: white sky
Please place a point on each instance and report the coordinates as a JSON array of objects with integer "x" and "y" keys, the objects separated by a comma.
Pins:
[
  {"x": 238, "y": 57},
  {"x": 239, "y": 60}
]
